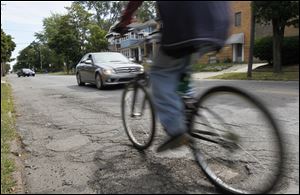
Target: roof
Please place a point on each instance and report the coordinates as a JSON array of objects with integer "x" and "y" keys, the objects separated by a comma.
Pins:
[
  {"x": 137, "y": 44},
  {"x": 139, "y": 26}
]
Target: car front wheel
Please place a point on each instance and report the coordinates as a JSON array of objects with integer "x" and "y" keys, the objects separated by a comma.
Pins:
[
  {"x": 99, "y": 82},
  {"x": 79, "y": 82}
]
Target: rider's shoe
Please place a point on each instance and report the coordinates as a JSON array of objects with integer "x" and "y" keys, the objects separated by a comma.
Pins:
[{"x": 175, "y": 142}]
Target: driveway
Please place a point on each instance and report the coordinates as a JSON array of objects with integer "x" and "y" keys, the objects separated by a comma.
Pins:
[{"x": 75, "y": 142}]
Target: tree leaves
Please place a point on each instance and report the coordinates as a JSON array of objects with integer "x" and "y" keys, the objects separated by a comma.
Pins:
[
  {"x": 66, "y": 38},
  {"x": 7, "y": 47}
]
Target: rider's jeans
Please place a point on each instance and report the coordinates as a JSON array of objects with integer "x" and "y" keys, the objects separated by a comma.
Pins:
[{"x": 164, "y": 76}]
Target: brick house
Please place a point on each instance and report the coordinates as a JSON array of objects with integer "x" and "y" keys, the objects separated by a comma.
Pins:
[
  {"x": 141, "y": 44},
  {"x": 238, "y": 43}
]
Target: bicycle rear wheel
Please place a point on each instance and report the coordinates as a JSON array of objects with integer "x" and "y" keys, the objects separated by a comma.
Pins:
[
  {"x": 240, "y": 147},
  {"x": 138, "y": 115}
]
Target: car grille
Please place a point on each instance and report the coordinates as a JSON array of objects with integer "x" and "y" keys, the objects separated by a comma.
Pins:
[{"x": 127, "y": 69}]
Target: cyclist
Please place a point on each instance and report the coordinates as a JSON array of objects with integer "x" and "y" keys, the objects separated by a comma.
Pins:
[{"x": 189, "y": 29}]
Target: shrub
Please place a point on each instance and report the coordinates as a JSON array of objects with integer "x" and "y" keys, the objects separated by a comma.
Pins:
[
  {"x": 263, "y": 50},
  {"x": 227, "y": 60}
]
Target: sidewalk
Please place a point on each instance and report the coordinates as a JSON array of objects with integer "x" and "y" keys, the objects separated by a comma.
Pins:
[{"x": 235, "y": 68}]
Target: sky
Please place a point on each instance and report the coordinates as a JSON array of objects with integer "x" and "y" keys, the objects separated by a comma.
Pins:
[{"x": 21, "y": 19}]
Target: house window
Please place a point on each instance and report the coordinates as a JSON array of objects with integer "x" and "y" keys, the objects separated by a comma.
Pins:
[
  {"x": 212, "y": 59},
  {"x": 237, "y": 19}
]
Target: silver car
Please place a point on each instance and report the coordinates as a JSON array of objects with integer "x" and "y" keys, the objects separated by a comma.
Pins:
[{"x": 106, "y": 68}]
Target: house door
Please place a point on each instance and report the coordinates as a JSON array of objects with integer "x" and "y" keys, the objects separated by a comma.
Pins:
[
  {"x": 134, "y": 54},
  {"x": 238, "y": 52}
]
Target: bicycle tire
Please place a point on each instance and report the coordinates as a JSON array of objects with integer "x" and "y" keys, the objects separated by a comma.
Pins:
[
  {"x": 227, "y": 170},
  {"x": 133, "y": 132}
]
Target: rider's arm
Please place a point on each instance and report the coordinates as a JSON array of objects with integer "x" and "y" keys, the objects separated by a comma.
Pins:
[{"x": 127, "y": 14}]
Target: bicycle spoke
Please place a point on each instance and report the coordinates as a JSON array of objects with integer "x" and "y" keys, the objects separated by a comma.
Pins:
[
  {"x": 236, "y": 142},
  {"x": 138, "y": 116}
]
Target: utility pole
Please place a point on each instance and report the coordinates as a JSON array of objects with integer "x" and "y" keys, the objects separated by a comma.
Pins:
[{"x": 252, "y": 37}]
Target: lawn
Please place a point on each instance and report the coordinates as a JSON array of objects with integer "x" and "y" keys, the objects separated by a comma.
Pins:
[
  {"x": 286, "y": 76},
  {"x": 289, "y": 73},
  {"x": 61, "y": 73},
  {"x": 8, "y": 133},
  {"x": 211, "y": 67}
]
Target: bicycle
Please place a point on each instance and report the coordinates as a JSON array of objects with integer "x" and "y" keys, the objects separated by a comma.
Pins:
[{"x": 216, "y": 146}]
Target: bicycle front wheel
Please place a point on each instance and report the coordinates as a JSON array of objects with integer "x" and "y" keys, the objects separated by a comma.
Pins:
[
  {"x": 138, "y": 115},
  {"x": 238, "y": 143}
]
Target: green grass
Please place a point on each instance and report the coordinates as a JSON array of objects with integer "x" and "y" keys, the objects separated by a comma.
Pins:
[
  {"x": 269, "y": 68},
  {"x": 8, "y": 133},
  {"x": 289, "y": 73},
  {"x": 211, "y": 67},
  {"x": 61, "y": 73},
  {"x": 285, "y": 76}
]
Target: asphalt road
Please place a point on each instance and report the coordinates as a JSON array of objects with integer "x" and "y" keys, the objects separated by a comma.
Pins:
[{"x": 75, "y": 142}]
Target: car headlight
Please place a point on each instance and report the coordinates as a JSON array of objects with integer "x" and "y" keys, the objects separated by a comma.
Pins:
[
  {"x": 108, "y": 71},
  {"x": 142, "y": 69}
]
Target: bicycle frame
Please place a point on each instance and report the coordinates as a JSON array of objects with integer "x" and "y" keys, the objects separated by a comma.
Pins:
[{"x": 190, "y": 111}]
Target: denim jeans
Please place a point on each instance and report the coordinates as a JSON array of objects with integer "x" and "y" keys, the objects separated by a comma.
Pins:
[{"x": 165, "y": 77}]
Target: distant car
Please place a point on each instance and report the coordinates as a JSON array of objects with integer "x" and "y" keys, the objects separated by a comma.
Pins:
[
  {"x": 106, "y": 68},
  {"x": 25, "y": 72}
]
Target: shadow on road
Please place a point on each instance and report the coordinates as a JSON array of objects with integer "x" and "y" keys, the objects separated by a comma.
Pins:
[{"x": 91, "y": 87}]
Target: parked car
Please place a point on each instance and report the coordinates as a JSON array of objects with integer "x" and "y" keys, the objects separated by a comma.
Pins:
[
  {"x": 25, "y": 72},
  {"x": 106, "y": 68}
]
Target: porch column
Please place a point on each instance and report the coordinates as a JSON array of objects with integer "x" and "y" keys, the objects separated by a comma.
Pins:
[
  {"x": 145, "y": 50},
  {"x": 154, "y": 49},
  {"x": 140, "y": 54}
]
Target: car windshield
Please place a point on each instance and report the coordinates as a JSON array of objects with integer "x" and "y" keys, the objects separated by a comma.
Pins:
[
  {"x": 110, "y": 57},
  {"x": 26, "y": 70}
]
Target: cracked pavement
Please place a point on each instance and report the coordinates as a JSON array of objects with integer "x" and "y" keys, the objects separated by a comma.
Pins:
[{"x": 75, "y": 142}]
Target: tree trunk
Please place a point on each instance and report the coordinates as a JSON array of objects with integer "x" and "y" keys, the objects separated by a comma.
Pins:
[
  {"x": 2, "y": 70},
  {"x": 278, "y": 33},
  {"x": 67, "y": 67}
]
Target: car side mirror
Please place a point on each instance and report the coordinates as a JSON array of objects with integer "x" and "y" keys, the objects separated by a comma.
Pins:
[
  {"x": 131, "y": 59},
  {"x": 88, "y": 61}
]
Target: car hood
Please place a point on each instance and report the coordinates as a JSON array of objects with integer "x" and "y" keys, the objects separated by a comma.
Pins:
[{"x": 114, "y": 65}]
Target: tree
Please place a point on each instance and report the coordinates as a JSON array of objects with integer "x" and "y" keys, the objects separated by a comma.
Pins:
[
  {"x": 65, "y": 42},
  {"x": 108, "y": 12},
  {"x": 7, "y": 47},
  {"x": 80, "y": 18},
  {"x": 27, "y": 58},
  {"x": 96, "y": 40},
  {"x": 47, "y": 49},
  {"x": 280, "y": 14},
  {"x": 147, "y": 11}
]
